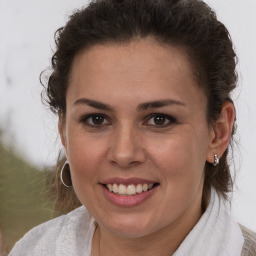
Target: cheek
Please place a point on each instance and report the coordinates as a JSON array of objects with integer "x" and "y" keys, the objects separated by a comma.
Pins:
[
  {"x": 180, "y": 157},
  {"x": 85, "y": 156}
]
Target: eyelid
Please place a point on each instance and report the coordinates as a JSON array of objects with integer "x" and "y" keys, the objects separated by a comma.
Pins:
[
  {"x": 168, "y": 117},
  {"x": 84, "y": 119}
]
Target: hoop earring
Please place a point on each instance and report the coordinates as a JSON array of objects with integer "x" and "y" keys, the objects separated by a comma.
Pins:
[
  {"x": 216, "y": 160},
  {"x": 66, "y": 179}
]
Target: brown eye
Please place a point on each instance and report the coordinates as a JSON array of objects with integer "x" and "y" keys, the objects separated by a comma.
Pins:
[
  {"x": 97, "y": 120},
  {"x": 160, "y": 120},
  {"x": 94, "y": 120}
]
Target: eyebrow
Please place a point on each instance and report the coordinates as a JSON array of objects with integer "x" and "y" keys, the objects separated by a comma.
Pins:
[
  {"x": 141, "y": 107},
  {"x": 94, "y": 104},
  {"x": 159, "y": 104}
]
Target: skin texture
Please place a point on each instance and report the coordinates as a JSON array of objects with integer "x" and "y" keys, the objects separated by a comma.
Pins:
[{"x": 130, "y": 144}]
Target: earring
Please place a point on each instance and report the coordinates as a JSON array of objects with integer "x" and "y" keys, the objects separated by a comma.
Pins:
[
  {"x": 216, "y": 160},
  {"x": 65, "y": 176}
]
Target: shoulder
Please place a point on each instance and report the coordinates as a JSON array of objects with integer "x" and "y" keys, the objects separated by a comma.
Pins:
[
  {"x": 43, "y": 239},
  {"x": 249, "y": 247}
]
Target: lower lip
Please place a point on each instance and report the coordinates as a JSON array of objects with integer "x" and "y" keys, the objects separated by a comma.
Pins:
[{"x": 128, "y": 201}]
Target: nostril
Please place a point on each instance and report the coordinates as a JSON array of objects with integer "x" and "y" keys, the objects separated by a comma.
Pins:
[{"x": 125, "y": 164}]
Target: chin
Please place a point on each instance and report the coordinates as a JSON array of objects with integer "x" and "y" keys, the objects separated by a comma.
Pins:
[{"x": 129, "y": 227}]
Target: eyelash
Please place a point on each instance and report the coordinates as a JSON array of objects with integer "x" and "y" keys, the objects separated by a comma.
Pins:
[
  {"x": 84, "y": 120},
  {"x": 170, "y": 120}
]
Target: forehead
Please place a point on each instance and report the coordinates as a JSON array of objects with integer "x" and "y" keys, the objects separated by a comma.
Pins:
[
  {"x": 143, "y": 68},
  {"x": 141, "y": 53}
]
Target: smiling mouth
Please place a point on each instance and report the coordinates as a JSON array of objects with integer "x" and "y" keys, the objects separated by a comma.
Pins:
[{"x": 131, "y": 189}]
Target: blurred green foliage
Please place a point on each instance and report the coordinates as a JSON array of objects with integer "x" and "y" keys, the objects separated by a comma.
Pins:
[{"x": 24, "y": 200}]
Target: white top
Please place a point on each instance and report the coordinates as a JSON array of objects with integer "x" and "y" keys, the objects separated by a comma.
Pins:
[
  {"x": 216, "y": 234},
  {"x": 67, "y": 235}
]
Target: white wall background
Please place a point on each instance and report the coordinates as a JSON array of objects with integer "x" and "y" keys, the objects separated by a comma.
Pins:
[{"x": 26, "y": 40}]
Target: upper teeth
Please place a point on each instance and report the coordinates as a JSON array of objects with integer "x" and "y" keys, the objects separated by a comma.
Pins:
[{"x": 128, "y": 190}]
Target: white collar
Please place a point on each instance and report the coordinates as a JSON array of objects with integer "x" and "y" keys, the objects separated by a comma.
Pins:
[{"x": 215, "y": 234}]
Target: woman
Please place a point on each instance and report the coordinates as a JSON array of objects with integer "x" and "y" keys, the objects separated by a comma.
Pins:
[{"x": 142, "y": 91}]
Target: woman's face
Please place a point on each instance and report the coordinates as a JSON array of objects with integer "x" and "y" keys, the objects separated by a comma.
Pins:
[{"x": 136, "y": 124}]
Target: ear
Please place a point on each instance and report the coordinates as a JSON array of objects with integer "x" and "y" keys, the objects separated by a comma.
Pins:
[
  {"x": 61, "y": 128},
  {"x": 221, "y": 131}
]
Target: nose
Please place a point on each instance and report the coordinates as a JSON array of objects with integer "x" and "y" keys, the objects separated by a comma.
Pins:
[{"x": 126, "y": 147}]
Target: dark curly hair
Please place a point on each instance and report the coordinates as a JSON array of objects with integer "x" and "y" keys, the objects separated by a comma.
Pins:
[{"x": 190, "y": 24}]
